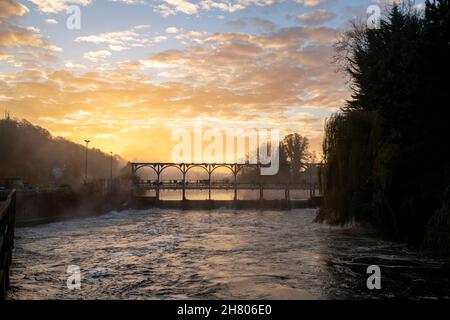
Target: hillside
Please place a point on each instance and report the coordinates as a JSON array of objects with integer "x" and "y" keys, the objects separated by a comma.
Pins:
[{"x": 32, "y": 153}]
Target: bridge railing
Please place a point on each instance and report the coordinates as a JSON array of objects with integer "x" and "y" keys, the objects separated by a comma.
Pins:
[
  {"x": 7, "y": 222},
  {"x": 225, "y": 185}
]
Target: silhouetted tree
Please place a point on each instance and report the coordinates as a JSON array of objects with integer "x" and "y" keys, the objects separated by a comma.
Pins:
[
  {"x": 383, "y": 153},
  {"x": 295, "y": 154}
]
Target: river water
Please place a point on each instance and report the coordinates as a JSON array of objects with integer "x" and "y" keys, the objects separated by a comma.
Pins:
[{"x": 171, "y": 254}]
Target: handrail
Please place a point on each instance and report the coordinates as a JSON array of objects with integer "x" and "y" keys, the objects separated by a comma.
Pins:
[
  {"x": 7, "y": 223},
  {"x": 4, "y": 205}
]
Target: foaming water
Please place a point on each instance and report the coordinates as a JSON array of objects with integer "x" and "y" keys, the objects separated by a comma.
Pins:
[{"x": 171, "y": 254}]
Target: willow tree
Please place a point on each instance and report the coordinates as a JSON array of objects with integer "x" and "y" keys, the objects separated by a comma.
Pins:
[{"x": 383, "y": 160}]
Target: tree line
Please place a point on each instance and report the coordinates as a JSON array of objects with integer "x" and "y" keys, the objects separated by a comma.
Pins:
[
  {"x": 386, "y": 151},
  {"x": 30, "y": 152}
]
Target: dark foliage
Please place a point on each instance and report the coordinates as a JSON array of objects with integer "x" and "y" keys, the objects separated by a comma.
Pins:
[
  {"x": 30, "y": 152},
  {"x": 294, "y": 157},
  {"x": 386, "y": 153}
]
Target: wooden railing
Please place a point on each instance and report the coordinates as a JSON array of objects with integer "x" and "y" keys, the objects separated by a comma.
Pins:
[{"x": 7, "y": 221}]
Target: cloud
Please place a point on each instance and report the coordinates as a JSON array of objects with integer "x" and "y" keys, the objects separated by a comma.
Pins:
[
  {"x": 26, "y": 48},
  {"x": 71, "y": 65},
  {"x": 316, "y": 17},
  {"x": 172, "y": 7},
  {"x": 10, "y": 9},
  {"x": 4, "y": 56},
  {"x": 18, "y": 37},
  {"x": 96, "y": 56},
  {"x": 57, "y": 6},
  {"x": 313, "y": 3},
  {"x": 119, "y": 40},
  {"x": 233, "y": 6},
  {"x": 131, "y": 2},
  {"x": 285, "y": 67},
  {"x": 192, "y": 36},
  {"x": 142, "y": 26},
  {"x": 172, "y": 30},
  {"x": 51, "y": 21},
  {"x": 253, "y": 22},
  {"x": 159, "y": 39}
]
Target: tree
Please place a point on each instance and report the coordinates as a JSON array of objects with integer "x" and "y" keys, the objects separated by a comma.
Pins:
[
  {"x": 295, "y": 152},
  {"x": 383, "y": 152},
  {"x": 293, "y": 158}
]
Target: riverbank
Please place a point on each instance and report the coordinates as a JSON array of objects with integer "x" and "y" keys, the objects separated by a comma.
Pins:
[{"x": 43, "y": 207}]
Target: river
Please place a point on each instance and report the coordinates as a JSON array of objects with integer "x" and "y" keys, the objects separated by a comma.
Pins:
[{"x": 219, "y": 254}]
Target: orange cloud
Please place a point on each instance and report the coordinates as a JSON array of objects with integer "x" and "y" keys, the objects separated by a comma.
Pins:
[
  {"x": 10, "y": 9},
  {"x": 278, "y": 80}
]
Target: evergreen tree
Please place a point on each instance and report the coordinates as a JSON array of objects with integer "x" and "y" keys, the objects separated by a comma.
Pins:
[{"x": 393, "y": 131}]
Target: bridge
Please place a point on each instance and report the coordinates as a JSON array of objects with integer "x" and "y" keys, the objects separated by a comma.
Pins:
[
  {"x": 208, "y": 184},
  {"x": 7, "y": 222}
]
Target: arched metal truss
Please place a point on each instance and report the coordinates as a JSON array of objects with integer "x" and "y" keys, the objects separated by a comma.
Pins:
[{"x": 184, "y": 168}]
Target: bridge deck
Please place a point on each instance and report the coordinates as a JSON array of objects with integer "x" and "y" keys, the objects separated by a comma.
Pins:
[{"x": 221, "y": 186}]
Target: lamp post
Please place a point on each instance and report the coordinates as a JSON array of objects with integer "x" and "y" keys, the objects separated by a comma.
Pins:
[
  {"x": 111, "y": 167},
  {"x": 111, "y": 173},
  {"x": 86, "y": 161}
]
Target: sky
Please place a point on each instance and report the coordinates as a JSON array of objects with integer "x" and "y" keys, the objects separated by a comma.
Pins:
[{"x": 136, "y": 70}]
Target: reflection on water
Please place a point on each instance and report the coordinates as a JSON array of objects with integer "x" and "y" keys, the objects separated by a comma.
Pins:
[{"x": 168, "y": 254}]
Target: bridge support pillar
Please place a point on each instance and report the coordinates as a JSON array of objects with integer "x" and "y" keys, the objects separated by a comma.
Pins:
[
  {"x": 235, "y": 187},
  {"x": 209, "y": 185},
  {"x": 287, "y": 193},
  {"x": 184, "y": 185},
  {"x": 157, "y": 184}
]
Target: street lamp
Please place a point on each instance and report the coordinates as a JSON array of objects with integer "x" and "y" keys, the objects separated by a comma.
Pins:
[
  {"x": 111, "y": 167},
  {"x": 86, "y": 162},
  {"x": 111, "y": 173}
]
